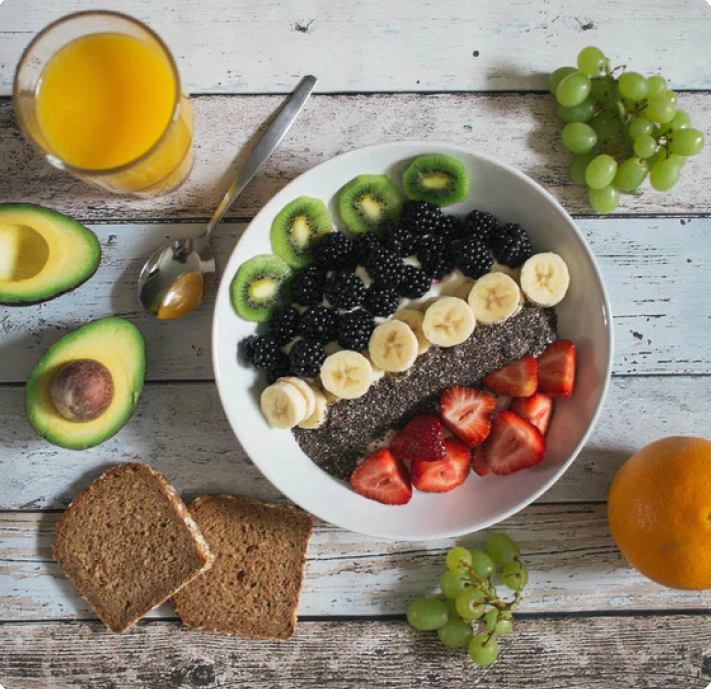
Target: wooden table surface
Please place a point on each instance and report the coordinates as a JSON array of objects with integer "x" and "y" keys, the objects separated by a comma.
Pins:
[{"x": 468, "y": 72}]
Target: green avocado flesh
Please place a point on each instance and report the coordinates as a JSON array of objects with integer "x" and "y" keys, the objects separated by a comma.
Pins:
[
  {"x": 118, "y": 345},
  {"x": 42, "y": 253}
]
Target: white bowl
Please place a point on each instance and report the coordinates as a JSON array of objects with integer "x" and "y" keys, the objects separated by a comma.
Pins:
[{"x": 584, "y": 317}]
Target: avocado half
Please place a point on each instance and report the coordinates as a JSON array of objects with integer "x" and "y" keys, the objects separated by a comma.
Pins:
[
  {"x": 42, "y": 254},
  {"x": 118, "y": 345}
]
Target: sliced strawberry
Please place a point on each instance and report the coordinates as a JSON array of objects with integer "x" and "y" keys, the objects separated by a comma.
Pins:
[
  {"x": 518, "y": 379},
  {"x": 479, "y": 465},
  {"x": 421, "y": 439},
  {"x": 383, "y": 478},
  {"x": 444, "y": 474},
  {"x": 467, "y": 413},
  {"x": 536, "y": 409},
  {"x": 556, "y": 369},
  {"x": 512, "y": 445}
]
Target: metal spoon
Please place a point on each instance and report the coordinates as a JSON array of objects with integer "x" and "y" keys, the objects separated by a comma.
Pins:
[{"x": 179, "y": 275}]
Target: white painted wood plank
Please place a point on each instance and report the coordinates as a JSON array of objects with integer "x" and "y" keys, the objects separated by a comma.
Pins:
[
  {"x": 657, "y": 272},
  {"x": 568, "y": 549},
  {"x": 521, "y": 130},
  {"x": 181, "y": 430},
  {"x": 247, "y": 47}
]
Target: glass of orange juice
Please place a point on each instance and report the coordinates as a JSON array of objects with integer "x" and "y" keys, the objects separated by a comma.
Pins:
[{"x": 99, "y": 94}]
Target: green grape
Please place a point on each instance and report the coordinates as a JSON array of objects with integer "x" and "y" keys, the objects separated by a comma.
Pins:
[
  {"x": 483, "y": 650},
  {"x": 580, "y": 113},
  {"x": 578, "y": 138},
  {"x": 640, "y": 126},
  {"x": 577, "y": 175},
  {"x": 490, "y": 619},
  {"x": 452, "y": 583},
  {"x": 455, "y": 634},
  {"x": 677, "y": 159},
  {"x": 470, "y": 604},
  {"x": 665, "y": 174},
  {"x": 660, "y": 109},
  {"x": 604, "y": 200},
  {"x": 686, "y": 142},
  {"x": 482, "y": 564},
  {"x": 607, "y": 127},
  {"x": 505, "y": 623},
  {"x": 600, "y": 172},
  {"x": 645, "y": 146},
  {"x": 502, "y": 549},
  {"x": 670, "y": 96},
  {"x": 656, "y": 86},
  {"x": 554, "y": 78},
  {"x": 455, "y": 557},
  {"x": 452, "y": 609},
  {"x": 633, "y": 86},
  {"x": 515, "y": 574},
  {"x": 631, "y": 173},
  {"x": 681, "y": 120},
  {"x": 573, "y": 89},
  {"x": 427, "y": 614},
  {"x": 599, "y": 90},
  {"x": 591, "y": 61}
]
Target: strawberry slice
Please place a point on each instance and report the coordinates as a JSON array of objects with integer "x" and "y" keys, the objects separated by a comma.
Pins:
[
  {"x": 421, "y": 439},
  {"x": 536, "y": 409},
  {"x": 383, "y": 478},
  {"x": 467, "y": 413},
  {"x": 479, "y": 465},
  {"x": 518, "y": 379},
  {"x": 444, "y": 474},
  {"x": 556, "y": 369},
  {"x": 512, "y": 445}
]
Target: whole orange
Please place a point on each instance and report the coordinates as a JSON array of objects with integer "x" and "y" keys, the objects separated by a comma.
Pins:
[{"x": 659, "y": 509}]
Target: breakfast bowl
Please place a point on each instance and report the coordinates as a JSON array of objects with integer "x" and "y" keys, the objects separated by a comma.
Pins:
[{"x": 584, "y": 317}]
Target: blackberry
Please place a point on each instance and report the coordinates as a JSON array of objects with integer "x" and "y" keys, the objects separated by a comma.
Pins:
[
  {"x": 262, "y": 352},
  {"x": 414, "y": 283},
  {"x": 306, "y": 358},
  {"x": 307, "y": 286},
  {"x": 355, "y": 330},
  {"x": 335, "y": 251},
  {"x": 451, "y": 227},
  {"x": 400, "y": 240},
  {"x": 384, "y": 266},
  {"x": 280, "y": 369},
  {"x": 511, "y": 246},
  {"x": 319, "y": 324},
  {"x": 483, "y": 225},
  {"x": 344, "y": 290},
  {"x": 472, "y": 257},
  {"x": 435, "y": 255},
  {"x": 363, "y": 244},
  {"x": 381, "y": 300},
  {"x": 284, "y": 325},
  {"x": 420, "y": 217}
]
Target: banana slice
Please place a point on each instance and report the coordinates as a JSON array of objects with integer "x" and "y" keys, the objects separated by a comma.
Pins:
[
  {"x": 424, "y": 305},
  {"x": 545, "y": 279},
  {"x": 347, "y": 374},
  {"x": 513, "y": 273},
  {"x": 320, "y": 413},
  {"x": 305, "y": 389},
  {"x": 283, "y": 405},
  {"x": 378, "y": 372},
  {"x": 448, "y": 322},
  {"x": 330, "y": 397},
  {"x": 414, "y": 320},
  {"x": 462, "y": 291},
  {"x": 393, "y": 346},
  {"x": 494, "y": 298},
  {"x": 332, "y": 348}
]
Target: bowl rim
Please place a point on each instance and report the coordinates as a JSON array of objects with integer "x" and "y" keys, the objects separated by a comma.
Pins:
[{"x": 454, "y": 150}]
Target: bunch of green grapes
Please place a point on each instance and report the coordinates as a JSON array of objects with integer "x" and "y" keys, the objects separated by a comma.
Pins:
[
  {"x": 621, "y": 129},
  {"x": 472, "y": 614}
]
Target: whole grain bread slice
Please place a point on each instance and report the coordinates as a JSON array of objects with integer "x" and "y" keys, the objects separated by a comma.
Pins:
[
  {"x": 260, "y": 554},
  {"x": 128, "y": 543}
]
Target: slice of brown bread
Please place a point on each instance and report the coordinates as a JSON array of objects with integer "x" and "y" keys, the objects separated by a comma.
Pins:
[
  {"x": 260, "y": 554},
  {"x": 128, "y": 543}
]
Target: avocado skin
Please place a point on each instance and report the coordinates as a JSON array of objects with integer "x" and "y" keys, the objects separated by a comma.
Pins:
[
  {"x": 55, "y": 217},
  {"x": 40, "y": 379}
]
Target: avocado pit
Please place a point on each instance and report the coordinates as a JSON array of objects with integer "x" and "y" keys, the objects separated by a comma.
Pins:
[{"x": 82, "y": 390}]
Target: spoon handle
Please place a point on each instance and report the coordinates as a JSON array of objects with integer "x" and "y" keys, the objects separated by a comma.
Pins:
[{"x": 264, "y": 148}]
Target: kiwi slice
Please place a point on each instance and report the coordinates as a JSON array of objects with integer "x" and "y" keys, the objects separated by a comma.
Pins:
[
  {"x": 297, "y": 228},
  {"x": 437, "y": 179},
  {"x": 369, "y": 203},
  {"x": 262, "y": 284}
]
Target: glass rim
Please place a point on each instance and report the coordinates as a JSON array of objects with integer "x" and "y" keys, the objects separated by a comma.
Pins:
[{"x": 63, "y": 165}]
